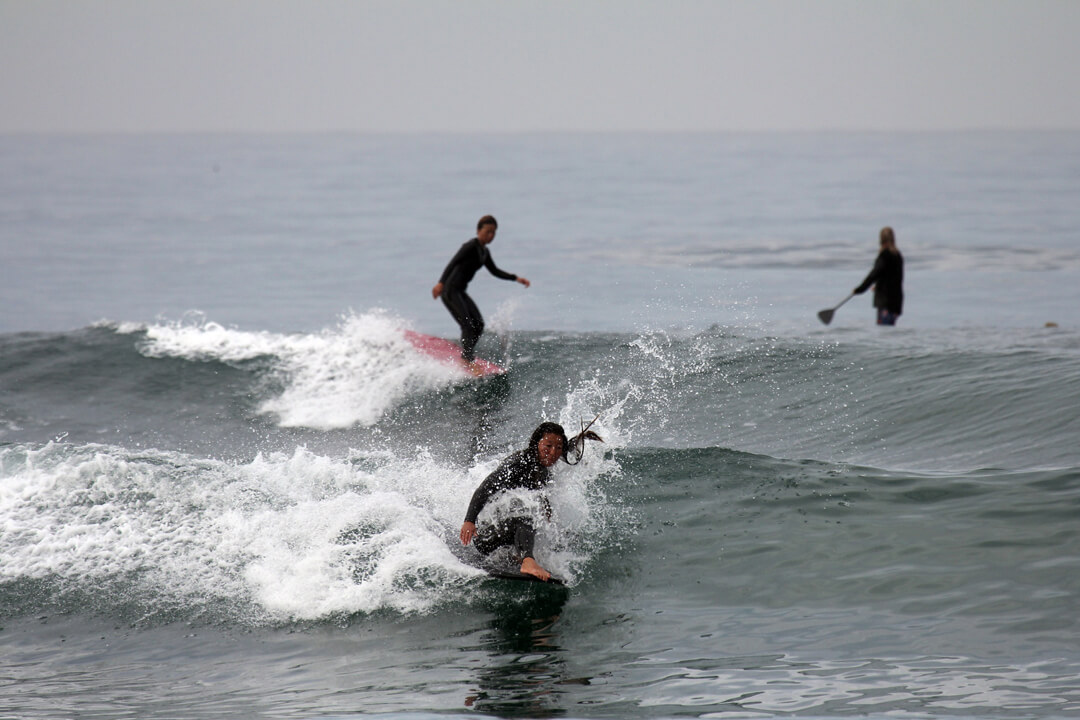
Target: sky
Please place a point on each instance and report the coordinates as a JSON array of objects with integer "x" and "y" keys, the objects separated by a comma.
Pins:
[{"x": 480, "y": 66}]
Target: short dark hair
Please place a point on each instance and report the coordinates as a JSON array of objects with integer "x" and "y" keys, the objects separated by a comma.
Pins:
[{"x": 487, "y": 220}]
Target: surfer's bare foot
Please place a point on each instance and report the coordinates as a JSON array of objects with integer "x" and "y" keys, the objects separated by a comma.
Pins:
[
  {"x": 531, "y": 567},
  {"x": 474, "y": 368}
]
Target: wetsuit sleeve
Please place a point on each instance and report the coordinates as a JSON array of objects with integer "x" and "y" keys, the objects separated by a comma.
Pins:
[
  {"x": 879, "y": 268},
  {"x": 513, "y": 472},
  {"x": 490, "y": 265},
  {"x": 458, "y": 258},
  {"x": 500, "y": 479},
  {"x": 481, "y": 496}
]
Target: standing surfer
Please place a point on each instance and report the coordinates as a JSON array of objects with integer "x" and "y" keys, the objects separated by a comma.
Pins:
[
  {"x": 455, "y": 280},
  {"x": 523, "y": 470},
  {"x": 887, "y": 277}
]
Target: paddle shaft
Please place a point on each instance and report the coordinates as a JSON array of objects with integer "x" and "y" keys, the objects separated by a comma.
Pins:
[{"x": 843, "y": 301}]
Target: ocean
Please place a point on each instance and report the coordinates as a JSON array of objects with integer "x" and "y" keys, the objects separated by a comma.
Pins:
[{"x": 230, "y": 488}]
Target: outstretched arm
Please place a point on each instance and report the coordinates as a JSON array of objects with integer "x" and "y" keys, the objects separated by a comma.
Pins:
[{"x": 497, "y": 272}]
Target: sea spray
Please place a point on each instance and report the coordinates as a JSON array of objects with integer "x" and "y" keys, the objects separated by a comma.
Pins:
[{"x": 347, "y": 375}]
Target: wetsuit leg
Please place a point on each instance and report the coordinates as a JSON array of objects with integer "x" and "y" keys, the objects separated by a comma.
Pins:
[
  {"x": 524, "y": 538},
  {"x": 516, "y": 532},
  {"x": 467, "y": 315},
  {"x": 884, "y": 317}
]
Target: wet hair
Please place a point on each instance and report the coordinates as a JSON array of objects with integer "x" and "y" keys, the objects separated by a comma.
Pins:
[
  {"x": 487, "y": 220},
  {"x": 548, "y": 428}
]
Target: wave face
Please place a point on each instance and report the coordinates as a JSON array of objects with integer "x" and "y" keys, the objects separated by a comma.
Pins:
[
  {"x": 901, "y": 507},
  {"x": 930, "y": 401}
]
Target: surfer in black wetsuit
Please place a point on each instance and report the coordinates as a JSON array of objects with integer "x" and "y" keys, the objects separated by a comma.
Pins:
[
  {"x": 523, "y": 470},
  {"x": 455, "y": 279},
  {"x": 887, "y": 277}
]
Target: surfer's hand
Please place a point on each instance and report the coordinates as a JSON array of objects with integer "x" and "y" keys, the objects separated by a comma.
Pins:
[
  {"x": 468, "y": 532},
  {"x": 524, "y": 281},
  {"x": 436, "y": 291}
]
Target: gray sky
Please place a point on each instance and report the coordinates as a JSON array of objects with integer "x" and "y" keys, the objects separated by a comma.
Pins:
[{"x": 509, "y": 65}]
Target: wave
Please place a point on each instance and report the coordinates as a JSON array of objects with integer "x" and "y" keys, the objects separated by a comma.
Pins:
[
  {"x": 158, "y": 536},
  {"x": 927, "y": 401},
  {"x": 348, "y": 375},
  {"x": 937, "y": 553},
  {"x": 153, "y": 534}
]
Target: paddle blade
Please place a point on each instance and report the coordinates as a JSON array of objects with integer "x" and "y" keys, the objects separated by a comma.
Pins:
[{"x": 825, "y": 316}]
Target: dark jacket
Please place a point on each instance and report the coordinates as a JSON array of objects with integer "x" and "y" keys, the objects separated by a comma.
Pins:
[
  {"x": 468, "y": 259},
  {"x": 887, "y": 277},
  {"x": 519, "y": 471}
]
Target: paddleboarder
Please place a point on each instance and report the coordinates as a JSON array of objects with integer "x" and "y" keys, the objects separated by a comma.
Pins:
[
  {"x": 455, "y": 279},
  {"x": 526, "y": 469},
  {"x": 887, "y": 277}
]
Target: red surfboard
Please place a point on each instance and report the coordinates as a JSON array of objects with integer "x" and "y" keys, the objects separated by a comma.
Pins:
[{"x": 450, "y": 353}]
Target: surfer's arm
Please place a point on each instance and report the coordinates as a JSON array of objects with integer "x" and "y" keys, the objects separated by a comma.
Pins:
[
  {"x": 879, "y": 267},
  {"x": 502, "y": 478},
  {"x": 479, "y": 500},
  {"x": 502, "y": 274},
  {"x": 482, "y": 494}
]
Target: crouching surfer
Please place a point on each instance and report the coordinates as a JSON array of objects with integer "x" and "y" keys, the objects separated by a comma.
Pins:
[{"x": 526, "y": 469}]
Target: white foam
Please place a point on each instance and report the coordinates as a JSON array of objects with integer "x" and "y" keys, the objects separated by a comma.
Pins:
[
  {"x": 374, "y": 538},
  {"x": 98, "y": 517},
  {"x": 352, "y": 374},
  {"x": 283, "y": 537},
  {"x": 210, "y": 341}
]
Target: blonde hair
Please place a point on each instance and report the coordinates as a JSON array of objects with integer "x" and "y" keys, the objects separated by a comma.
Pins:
[{"x": 888, "y": 238}]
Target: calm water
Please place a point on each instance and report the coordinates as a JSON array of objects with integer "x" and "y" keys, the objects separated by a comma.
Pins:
[{"x": 229, "y": 488}]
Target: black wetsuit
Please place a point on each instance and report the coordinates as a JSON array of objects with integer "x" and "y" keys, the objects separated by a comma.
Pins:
[
  {"x": 520, "y": 471},
  {"x": 455, "y": 280},
  {"x": 887, "y": 277}
]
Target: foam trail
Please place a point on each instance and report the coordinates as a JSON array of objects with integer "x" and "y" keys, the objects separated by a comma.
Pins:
[
  {"x": 349, "y": 375},
  {"x": 278, "y": 539},
  {"x": 282, "y": 537}
]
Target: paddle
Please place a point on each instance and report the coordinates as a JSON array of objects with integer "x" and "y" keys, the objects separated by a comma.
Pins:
[{"x": 825, "y": 316}]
